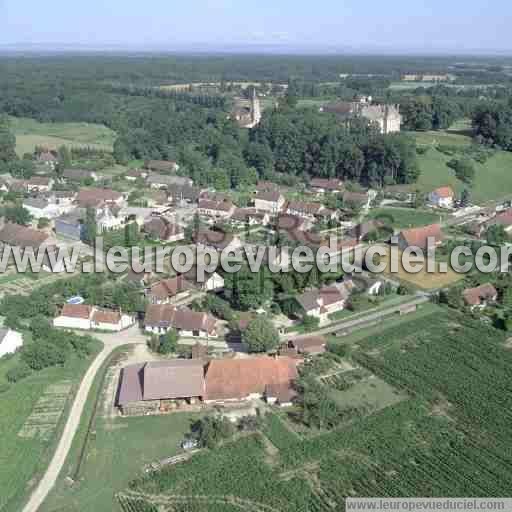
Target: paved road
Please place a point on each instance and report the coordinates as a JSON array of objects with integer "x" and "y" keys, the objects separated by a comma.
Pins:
[
  {"x": 45, "y": 485},
  {"x": 360, "y": 321}
]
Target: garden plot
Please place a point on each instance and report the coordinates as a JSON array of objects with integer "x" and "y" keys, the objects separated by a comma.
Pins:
[
  {"x": 47, "y": 412},
  {"x": 358, "y": 392}
]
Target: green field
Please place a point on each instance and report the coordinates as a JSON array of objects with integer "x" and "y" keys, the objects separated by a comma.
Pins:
[
  {"x": 443, "y": 380},
  {"x": 493, "y": 179},
  {"x": 24, "y": 458},
  {"x": 405, "y": 217},
  {"x": 30, "y": 133}
]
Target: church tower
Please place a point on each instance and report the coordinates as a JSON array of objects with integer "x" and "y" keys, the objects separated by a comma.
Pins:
[{"x": 255, "y": 108}]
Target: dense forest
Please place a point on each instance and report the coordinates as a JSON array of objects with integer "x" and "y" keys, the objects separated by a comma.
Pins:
[{"x": 194, "y": 127}]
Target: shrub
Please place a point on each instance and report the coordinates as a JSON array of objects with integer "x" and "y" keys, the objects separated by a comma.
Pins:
[
  {"x": 18, "y": 372},
  {"x": 42, "y": 355}
]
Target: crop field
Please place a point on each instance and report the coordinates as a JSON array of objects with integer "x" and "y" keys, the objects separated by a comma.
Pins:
[
  {"x": 448, "y": 436},
  {"x": 30, "y": 133},
  {"x": 437, "y": 423},
  {"x": 423, "y": 279},
  {"x": 31, "y": 414},
  {"x": 45, "y": 416}
]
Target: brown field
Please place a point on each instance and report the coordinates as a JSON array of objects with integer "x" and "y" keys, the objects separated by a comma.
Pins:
[{"x": 422, "y": 279}]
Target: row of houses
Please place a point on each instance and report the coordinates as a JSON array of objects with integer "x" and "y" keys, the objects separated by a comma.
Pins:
[{"x": 82, "y": 316}]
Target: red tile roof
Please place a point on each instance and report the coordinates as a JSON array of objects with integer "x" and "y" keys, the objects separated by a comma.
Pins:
[
  {"x": 77, "y": 311},
  {"x": 417, "y": 237},
  {"x": 21, "y": 236},
  {"x": 475, "y": 296},
  {"x": 444, "y": 192},
  {"x": 169, "y": 287},
  {"x": 95, "y": 196},
  {"x": 106, "y": 316},
  {"x": 238, "y": 378},
  {"x": 165, "y": 315},
  {"x": 502, "y": 219}
]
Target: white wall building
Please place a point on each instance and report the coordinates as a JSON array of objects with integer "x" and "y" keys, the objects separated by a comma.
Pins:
[{"x": 10, "y": 341}]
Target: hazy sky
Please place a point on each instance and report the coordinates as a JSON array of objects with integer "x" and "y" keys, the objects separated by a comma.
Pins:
[{"x": 393, "y": 24}]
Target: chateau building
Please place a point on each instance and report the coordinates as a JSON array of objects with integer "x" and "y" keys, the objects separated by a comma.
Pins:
[{"x": 387, "y": 117}]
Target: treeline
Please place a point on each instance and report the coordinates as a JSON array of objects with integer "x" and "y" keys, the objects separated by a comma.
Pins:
[
  {"x": 311, "y": 144},
  {"x": 422, "y": 113},
  {"x": 204, "y": 100},
  {"x": 48, "y": 347},
  {"x": 162, "y": 69},
  {"x": 96, "y": 289},
  {"x": 492, "y": 125}
]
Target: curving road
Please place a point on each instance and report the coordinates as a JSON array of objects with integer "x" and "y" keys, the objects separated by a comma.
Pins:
[{"x": 45, "y": 485}]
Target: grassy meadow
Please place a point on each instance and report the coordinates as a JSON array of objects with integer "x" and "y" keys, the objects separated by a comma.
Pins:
[
  {"x": 493, "y": 179},
  {"x": 33, "y": 412},
  {"x": 31, "y": 133},
  {"x": 402, "y": 218}
]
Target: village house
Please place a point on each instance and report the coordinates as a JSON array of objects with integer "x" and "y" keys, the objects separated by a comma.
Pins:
[
  {"x": 418, "y": 237},
  {"x": 160, "y": 386},
  {"x": 107, "y": 219},
  {"x": 162, "y": 165},
  {"x": 503, "y": 219},
  {"x": 481, "y": 296},
  {"x": 184, "y": 194},
  {"x": 10, "y": 341},
  {"x": 365, "y": 230},
  {"x": 135, "y": 174},
  {"x": 233, "y": 380},
  {"x": 310, "y": 345},
  {"x": 169, "y": 291},
  {"x": 71, "y": 225},
  {"x": 215, "y": 209},
  {"x": 267, "y": 186},
  {"x": 95, "y": 197},
  {"x": 161, "y": 228},
  {"x": 361, "y": 200},
  {"x": 136, "y": 214},
  {"x": 14, "y": 235},
  {"x": 292, "y": 223},
  {"x": 157, "y": 198},
  {"x": 39, "y": 184},
  {"x": 165, "y": 180},
  {"x": 303, "y": 209},
  {"x": 442, "y": 197},
  {"x": 79, "y": 175},
  {"x": 42, "y": 208},
  {"x": 326, "y": 185},
  {"x": 81, "y": 316},
  {"x": 212, "y": 280},
  {"x": 48, "y": 158},
  {"x": 249, "y": 217},
  {"x": 322, "y": 302},
  {"x": 271, "y": 201},
  {"x": 64, "y": 197},
  {"x": 217, "y": 240},
  {"x": 160, "y": 318}
]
